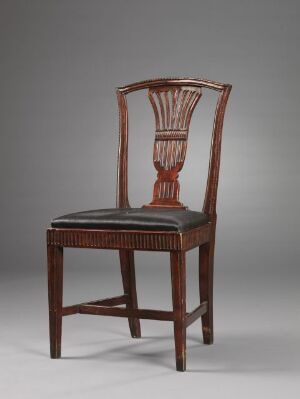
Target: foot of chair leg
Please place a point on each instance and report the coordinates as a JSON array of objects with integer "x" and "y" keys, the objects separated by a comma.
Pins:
[
  {"x": 55, "y": 351},
  {"x": 55, "y": 354},
  {"x": 181, "y": 364},
  {"x": 55, "y": 324},
  {"x": 208, "y": 336},
  {"x": 135, "y": 328},
  {"x": 180, "y": 345}
]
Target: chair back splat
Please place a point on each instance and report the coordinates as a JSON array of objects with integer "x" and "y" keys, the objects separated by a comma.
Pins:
[{"x": 173, "y": 102}]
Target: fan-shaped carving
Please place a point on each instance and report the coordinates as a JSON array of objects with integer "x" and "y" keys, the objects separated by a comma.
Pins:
[{"x": 173, "y": 107}]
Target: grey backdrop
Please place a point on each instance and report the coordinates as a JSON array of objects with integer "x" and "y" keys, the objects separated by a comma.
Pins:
[{"x": 60, "y": 63}]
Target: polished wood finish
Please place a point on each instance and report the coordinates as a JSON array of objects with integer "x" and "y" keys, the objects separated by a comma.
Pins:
[
  {"x": 196, "y": 313},
  {"x": 173, "y": 107},
  {"x": 173, "y": 101},
  {"x": 128, "y": 277},
  {"x": 132, "y": 239},
  {"x": 129, "y": 313},
  {"x": 55, "y": 297},
  {"x": 178, "y": 274},
  {"x": 215, "y": 154},
  {"x": 114, "y": 301}
]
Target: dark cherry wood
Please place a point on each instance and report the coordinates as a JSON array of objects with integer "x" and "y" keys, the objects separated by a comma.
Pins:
[
  {"x": 206, "y": 272},
  {"x": 196, "y": 313},
  {"x": 178, "y": 275},
  {"x": 128, "y": 277},
  {"x": 173, "y": 107},
  {"x": 114, "y": 301},
  {"x": 55, "y": 296},
  {"x": 129, "y": 313},
  {"x": 133, "y": 239},
  {"x": 173, "y": 101}
]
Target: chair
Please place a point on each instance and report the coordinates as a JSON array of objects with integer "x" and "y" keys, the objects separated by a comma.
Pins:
[{"x": 164, "y": 224}]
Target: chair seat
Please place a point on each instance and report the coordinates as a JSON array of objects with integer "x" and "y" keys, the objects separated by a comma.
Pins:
[{"x": 178, "y": 220}]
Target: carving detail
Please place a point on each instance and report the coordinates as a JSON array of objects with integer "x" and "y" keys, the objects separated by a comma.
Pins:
[
  {"x": 173, "y": 107},
  {"x": 131, "y": 239}
]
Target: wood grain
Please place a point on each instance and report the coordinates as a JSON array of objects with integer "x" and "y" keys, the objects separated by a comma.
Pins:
[
  {"x": 173, "y": 107},
  {"x": 128, "y": 278},
  {"x": 130, "y": 239},
  {"x": 55, "y": 296},
  {"x": 178, "y": 274}
]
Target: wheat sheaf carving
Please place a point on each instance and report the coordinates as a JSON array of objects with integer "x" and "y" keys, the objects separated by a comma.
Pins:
[{"x": 173, "y": 107}]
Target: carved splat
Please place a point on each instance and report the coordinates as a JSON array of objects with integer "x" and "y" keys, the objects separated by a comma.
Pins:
[{"x": 173, "y": 107}]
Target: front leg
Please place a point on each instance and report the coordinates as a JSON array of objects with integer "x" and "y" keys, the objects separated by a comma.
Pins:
[
  {"x": 178, "y": 274},
  {"x": 55, "y": 295}
]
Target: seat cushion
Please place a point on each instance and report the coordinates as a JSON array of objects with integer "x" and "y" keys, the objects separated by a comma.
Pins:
[{"x": 133, "y": 219}]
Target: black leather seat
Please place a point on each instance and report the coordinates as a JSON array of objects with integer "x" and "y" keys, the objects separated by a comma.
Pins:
[{"x": 133, "y": 219}]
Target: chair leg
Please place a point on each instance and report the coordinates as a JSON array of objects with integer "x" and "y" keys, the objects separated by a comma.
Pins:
[
  {"x": 178, "y": 275},
  {"x": 128, "y": 277},
  {"x": 206, "y": 271},
  {"x": 55, "y": 294}
]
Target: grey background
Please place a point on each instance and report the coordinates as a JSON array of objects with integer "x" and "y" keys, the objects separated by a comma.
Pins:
[{"x": 60, "y": 63}]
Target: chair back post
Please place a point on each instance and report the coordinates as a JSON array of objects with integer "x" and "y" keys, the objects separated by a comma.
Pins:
[
  {"x": 210, "y": 199},
  {"x": 122, "y": 173}
]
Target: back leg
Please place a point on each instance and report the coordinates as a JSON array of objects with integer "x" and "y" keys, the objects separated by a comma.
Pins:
[
  {"x": 128, "y": 278},
  {"x": 206, "y": 271}
]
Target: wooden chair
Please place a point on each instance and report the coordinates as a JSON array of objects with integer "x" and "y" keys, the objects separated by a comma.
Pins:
[{"x": 163, "y": 225}]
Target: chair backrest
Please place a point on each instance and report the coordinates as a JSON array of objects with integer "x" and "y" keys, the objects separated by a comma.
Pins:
[{"x": 173, "y": 101}]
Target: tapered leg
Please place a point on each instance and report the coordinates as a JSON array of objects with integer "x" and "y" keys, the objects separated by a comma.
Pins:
[
  {"x": 55, "y": 293},
  {"x": 206, "y": 272},
  {"x": 178, "y": 274},
  {"x": 128, "y": 277}
]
